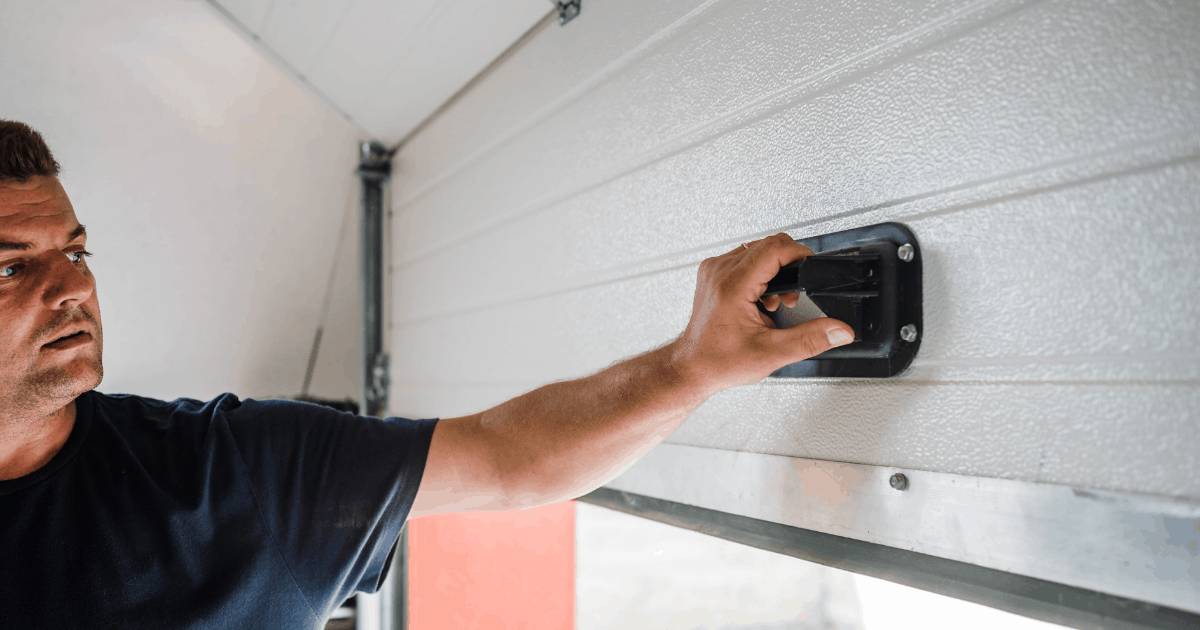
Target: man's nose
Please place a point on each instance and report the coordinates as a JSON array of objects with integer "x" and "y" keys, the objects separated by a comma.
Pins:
[{"x": 68, "y": 283}]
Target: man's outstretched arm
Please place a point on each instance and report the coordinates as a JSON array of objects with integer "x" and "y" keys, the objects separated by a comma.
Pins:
[{"x": 565, "y": 439}]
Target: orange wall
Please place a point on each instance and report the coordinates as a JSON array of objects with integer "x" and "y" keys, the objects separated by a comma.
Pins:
[{"x": 493, "y": 570}]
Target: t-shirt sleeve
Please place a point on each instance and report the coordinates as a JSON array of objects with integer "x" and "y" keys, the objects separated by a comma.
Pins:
[{"x": 334, "y": 488}]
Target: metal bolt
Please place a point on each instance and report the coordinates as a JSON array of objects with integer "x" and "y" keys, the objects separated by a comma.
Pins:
[
  {"x": 906, "y": 252},
  {"x": 909, "y": 333},
  {"x": 899, "y": 481}
]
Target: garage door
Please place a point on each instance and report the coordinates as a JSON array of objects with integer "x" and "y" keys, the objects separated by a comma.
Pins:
[{"x": 550, "y": 222}]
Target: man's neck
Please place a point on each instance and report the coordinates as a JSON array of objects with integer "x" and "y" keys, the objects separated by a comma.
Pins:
[{"x": 27, "y": 444}]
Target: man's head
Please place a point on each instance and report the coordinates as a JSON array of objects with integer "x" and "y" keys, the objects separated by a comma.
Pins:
[{"x": 47, "y": 291}]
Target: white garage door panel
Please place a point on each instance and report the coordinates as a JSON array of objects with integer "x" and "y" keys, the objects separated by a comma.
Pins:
[
  {"x": 550, "y": 338},
  {"x": 990, "y": 436},
  {"x": 1046, "y": 154},
  {"x": 1051, "y": 286},
  {"x": 1025, "y": 315},
  {"x": 1039, "y": 420},
  {"x": 1078, "y": 434},
  {"x": 957, "y": 109}
]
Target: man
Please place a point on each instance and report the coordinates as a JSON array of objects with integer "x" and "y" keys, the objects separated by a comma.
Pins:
[{"x": 118, "y": 511}]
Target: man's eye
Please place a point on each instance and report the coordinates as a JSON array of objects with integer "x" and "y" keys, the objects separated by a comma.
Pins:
[
  {"x": 11, "y": 270},
  {"x": 77, "y": 256}
]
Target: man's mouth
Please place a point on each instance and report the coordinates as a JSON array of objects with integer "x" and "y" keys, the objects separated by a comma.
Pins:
[{"x": 70, "y": 341}]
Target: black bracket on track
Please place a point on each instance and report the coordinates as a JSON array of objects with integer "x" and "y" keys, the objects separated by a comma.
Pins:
[
  {"x": 567, "y": 10},
  {"x": 868, "y": 277}
]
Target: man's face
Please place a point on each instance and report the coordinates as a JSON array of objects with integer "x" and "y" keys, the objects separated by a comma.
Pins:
[{"x": 47, "y": 293}]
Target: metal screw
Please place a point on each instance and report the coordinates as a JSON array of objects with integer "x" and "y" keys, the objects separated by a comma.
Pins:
[
  {"x": 899, "y": 481},
  {"x": 909, "y": 333},
  {"x": 906, "y": 252}
]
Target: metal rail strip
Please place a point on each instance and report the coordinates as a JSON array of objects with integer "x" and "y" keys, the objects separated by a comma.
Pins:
[{"x": 1081, "y": 558}]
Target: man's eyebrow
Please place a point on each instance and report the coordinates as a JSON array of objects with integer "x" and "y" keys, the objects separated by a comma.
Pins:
[{"x": 80, "y": 230}]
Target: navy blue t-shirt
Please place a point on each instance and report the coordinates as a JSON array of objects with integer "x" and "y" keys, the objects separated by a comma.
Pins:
[{"x": 221, "y": 514}]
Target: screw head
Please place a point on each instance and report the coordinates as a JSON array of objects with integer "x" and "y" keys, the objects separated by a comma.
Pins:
[
  {"x": 899, "y": 481},
  {"x": 906, "y": 252},
  {"x": 909, "y": 333}
]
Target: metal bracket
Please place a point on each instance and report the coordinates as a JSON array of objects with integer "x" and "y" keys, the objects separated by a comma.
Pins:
[
  {"x": 567, "y": 9},
  {"x": 380, "y": 379}
]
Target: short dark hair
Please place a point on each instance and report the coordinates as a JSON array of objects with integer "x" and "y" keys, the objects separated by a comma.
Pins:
[{"x": 23, "y": 153}]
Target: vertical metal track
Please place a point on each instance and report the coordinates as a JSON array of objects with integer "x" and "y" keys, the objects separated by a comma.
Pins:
[
  {"x": 385, "y": 610},
  {"x": 375, "y": 167}
]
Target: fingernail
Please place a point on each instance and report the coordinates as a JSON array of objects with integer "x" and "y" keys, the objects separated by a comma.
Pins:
[{"x": 839, "y": 336}]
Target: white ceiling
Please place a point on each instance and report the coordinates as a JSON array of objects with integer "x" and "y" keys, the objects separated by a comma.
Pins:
[{"x": 384, "y": 64}]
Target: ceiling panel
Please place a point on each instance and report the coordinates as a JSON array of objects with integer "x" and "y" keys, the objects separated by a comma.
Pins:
[
  {"x": 386, "y": 65},
  {"x": 299, "y": 30},
  {"x": 444, "y": 60},
  {"x": 373, "y": 37}
]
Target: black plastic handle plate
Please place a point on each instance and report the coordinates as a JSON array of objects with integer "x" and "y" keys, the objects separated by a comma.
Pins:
[{"x": 890, "y": 301}]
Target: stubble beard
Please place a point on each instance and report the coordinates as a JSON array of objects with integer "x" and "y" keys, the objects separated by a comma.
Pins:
[
  {"x": 60, "y": 384},
  {"x": 41, "y": 391}
]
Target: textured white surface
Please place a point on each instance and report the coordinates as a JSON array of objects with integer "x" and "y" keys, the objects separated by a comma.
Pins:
[
  {"x": 386, "y": 64},
  {"x": 212, "y": 186},
  {"x": 1046, "y": 154}
]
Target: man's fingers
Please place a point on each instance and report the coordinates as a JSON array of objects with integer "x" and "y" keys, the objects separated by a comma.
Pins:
[
  {"x": 772, "y": 302},
  {"x": 763, "y": 261},
  {"x": 809, "y": 339}
]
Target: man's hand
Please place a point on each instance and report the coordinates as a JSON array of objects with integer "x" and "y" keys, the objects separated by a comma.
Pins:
[{"x": 729, "y": 341}]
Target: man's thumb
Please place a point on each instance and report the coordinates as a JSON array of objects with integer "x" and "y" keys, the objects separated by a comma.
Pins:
[
  {"x": 814, "y": 337},
  {"x": 839, "y": 335}
]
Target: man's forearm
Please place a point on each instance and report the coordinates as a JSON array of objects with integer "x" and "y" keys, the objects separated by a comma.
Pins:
[{"x": 565, "y": 439}]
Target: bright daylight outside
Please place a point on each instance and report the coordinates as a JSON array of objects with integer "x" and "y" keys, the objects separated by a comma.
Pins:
[{"x": 633, "y": 573}]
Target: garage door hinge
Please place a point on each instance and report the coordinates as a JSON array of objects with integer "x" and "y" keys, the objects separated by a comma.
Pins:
[{"x": 567, "y": 9}]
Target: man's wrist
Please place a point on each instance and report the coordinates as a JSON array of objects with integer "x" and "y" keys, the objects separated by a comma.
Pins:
[{"x": 691, "y": 378}]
